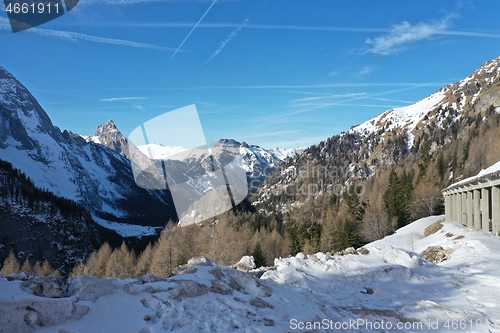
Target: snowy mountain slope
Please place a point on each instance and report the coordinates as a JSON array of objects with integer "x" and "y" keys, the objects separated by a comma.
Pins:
[
  {"x": 404, "y": 118},
  {"x": 446, "y": 123},
  {"x": 195, "y": 171},
  {"x": 40, "y": 226},
  {"x": 259, "y": 162},
  {"x": 391, "y": 288},
  {"x": 159, "y": 151},
  {"x": 96, "y": 171},
  {"x": 474, "y": 93},
  {"x": 65, "y": 164}
]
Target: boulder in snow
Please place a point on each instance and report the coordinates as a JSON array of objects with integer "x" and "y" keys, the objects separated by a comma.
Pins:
[
  {"x": 245, "y": 264},
  {"x": 51, "y": 287},
  {"x": 436, "y": 254}
]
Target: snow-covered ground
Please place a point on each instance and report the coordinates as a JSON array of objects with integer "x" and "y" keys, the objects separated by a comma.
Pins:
[
  {"x": 484, "y": 173},
  {"x": 390, "y": 289},
  {"x": 157, "y": 151},
  {"x": 126, "y": 229}
]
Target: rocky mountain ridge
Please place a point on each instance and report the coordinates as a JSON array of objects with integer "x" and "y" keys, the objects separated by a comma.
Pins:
[
  {"x": 98, "y": 178},
  {"x": 96, "y": 171},
  {"x": 197, "y": 170},
  {"x": 445, "y": 123},
  {"x": 258, "y": 162}
]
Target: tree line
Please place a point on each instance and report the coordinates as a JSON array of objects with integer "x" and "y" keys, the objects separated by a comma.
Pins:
[
  {"x": 217, "y": 240},
  {"x": 11, "y": 266},
  {"x": 16, "y": 187}
]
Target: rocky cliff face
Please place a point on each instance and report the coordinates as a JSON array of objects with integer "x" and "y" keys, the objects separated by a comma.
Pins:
[
  {"x": 108, "y": 135},
  {"x": 95, "y": 176}
]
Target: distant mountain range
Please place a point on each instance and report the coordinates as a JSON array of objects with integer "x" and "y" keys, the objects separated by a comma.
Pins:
[
  {"x": 445, "y": 137},
  {"x": 95, "y": 171},
  {"x": 258, "y": 162}
]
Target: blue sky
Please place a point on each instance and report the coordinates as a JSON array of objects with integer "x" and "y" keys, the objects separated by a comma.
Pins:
[{"x": 281, "y": 73}]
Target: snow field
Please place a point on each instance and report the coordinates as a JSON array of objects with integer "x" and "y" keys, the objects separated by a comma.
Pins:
[{"x": 390, "y": 289}]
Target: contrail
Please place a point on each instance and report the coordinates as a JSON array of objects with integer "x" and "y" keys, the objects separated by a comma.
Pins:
[
  {"x": 189, "y": 34},
  {"x": 222, "y": 45},
  {"x": 4, "y": 25}
]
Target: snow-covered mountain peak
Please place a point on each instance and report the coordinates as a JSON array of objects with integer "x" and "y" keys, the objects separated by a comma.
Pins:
[
  {"x": 440, "y": 108},
  {"x": 161, "y": 152},
  {"x": 271, "y": 157},
  {"x": 21, "y": 114},
  {"x": 230, "y": 142},
  {"x": 108, "y": 135},
  {"x": 107, "y": 127},
  {"x": 62, "y": 163},
  {"x": 404, "y": 118}
]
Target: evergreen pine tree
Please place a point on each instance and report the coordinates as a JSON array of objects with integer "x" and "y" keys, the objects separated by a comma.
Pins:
[
  {"x": 391, "y": 195},
  {"x": 425, "y": 157},
  {"x": 181, "y": 260},
  {"x": 356, "y": 207},
  {"x": 397, "y": 198},
  {"x": 349, "y": 234},
  {"x": 441, "y": 166},
  {"x": 258, "y": 256},
  {"x": 293, "y": 235}
]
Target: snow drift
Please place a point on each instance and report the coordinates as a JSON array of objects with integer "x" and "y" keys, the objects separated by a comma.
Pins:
[{"x": 389, "y": 288}]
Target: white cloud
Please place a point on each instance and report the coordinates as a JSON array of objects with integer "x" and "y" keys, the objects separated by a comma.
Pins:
[
  {"x": 114, "y": 99},
  {"x": 222, "y": 45},
  {"x": 5, "y": 25},
  {"x": 139, "y": 107},
  {"x": 95, "y": 39},
  {"x": 220, "y": 25},
  {"x": 394, "y": 100},
  {"x": 404, "y": 34},
  {"x": 364, "y": 72},
  {"x": 127, "y": 2},
  {"x": 353, "y": 73},
  {"x": 335, "y": 72},
  {"x": 328, "y": 96}
]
